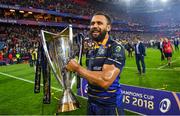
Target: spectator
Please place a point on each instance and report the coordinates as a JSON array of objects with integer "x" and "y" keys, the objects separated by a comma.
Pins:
[
  {"x": 167, "y": 49},
  {"x": 130, "y": 49},
  {"x": 18, "y": 57},
  {"x": 160, "y": 47},
  {"x": 140, "y": 53},
  {"x": 176, "y": 44},
  {"x": 34, "y": 56},
  {"x": 10, "y": 57},
  {"x": 1, "y": 56}
]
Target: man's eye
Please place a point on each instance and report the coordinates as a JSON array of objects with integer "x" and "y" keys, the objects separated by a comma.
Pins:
[
  {"x": 92, "y": 23},
  {"x": 100, "y": 23}
]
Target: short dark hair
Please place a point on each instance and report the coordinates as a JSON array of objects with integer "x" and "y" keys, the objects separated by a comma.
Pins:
[
  {"x": 109, "y": 20},
  {"x": 136, "y": 37}
]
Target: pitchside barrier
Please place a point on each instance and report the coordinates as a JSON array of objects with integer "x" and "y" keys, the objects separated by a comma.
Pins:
[{"x": 144, "y": 100}]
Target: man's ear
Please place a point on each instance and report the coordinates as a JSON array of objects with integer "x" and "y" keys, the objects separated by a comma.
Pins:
[{"x": 108, "y": 28}]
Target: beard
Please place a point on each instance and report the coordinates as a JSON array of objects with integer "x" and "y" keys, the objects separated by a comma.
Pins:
[{"x": 99, "y": 37}]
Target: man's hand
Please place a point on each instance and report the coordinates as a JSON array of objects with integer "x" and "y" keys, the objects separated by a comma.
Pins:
[{"x": 72, "y": 65}]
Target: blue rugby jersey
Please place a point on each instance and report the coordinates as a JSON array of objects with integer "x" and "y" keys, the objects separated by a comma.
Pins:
[{"x": 111, "y": 53}]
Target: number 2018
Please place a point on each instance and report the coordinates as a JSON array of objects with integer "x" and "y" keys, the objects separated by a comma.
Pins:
[{"x": 143, "y": 103}]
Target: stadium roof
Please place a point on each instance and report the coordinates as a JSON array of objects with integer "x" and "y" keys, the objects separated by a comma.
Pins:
[{"x": 145, "y": 6}]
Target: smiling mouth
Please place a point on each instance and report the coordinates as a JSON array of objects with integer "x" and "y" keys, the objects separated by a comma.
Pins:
[{"x": 95, "y": 32}]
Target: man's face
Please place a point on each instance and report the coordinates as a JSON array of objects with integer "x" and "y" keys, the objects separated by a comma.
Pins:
[
  {"x": 161, "y": 39},
  {"x": 99, "y": 27},
  {"x": 136, "y": 40},
  {"x": 166, "y": 39}
]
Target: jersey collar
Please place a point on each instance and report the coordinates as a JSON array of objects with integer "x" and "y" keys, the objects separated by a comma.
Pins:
[{"x": 103, "y": 43}]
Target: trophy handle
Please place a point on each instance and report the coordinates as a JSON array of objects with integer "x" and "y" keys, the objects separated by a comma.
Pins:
[
  {"x": 47, "y": 55},
  {"x": 80, "y": 49},
  {"x": 71, "y": 35},
  {"x": 80, "y": 43}
]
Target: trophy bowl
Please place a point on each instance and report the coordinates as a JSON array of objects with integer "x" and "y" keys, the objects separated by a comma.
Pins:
[{"x": 58, "y": 49}]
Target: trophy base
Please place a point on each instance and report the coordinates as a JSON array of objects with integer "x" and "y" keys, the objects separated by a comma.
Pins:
[
  {"x": 68, "y": 102},
  {"x": 68, "y": 107}
]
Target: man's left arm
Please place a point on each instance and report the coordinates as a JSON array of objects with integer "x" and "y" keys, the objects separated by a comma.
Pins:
[{"x": 143, "y": 49}]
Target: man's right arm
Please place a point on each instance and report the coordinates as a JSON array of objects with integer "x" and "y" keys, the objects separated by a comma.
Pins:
[
  {"x": 143, "y": 50},
  {"x": 102, "y": 78}
]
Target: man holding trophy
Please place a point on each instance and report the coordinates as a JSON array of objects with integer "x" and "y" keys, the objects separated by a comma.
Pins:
[{"x": 105, "y": 65}]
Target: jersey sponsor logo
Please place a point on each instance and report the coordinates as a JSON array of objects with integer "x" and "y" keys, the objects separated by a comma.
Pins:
[
  {"x": 101, "y": 51},
  {"x": 118, "y": 48}
]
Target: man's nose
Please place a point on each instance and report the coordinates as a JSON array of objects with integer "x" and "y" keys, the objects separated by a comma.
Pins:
[{"x": 95, "y": 25}]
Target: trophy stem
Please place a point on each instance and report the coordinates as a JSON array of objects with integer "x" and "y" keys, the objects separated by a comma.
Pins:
[{"x": 68, "y": 102}]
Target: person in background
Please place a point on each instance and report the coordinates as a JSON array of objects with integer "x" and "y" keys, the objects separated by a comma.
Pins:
[
  {"x": 30, "y": 58},
  {"x": 176, "y": 44},
  {"x": 130, "y": 49},
  {"x": 106, "y": 61},
  {"x": 34, "y": 57},
  {"x": 160, "y": 47},
  {"x": 2, "y": 62},
  {"x": 18, "y": 57},
  {"x": 1, "y": 56},
  {"x": 167, "y": 49},
  {"x": 10, "y": 57},
  {"x": 140, "y": 53}
]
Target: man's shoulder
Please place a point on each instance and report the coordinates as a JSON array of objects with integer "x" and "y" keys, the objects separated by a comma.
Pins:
[
  {"x": 115, "y": 43},
  {"x": 117, "y": 49},
  {"x": 141, "y": 43}
]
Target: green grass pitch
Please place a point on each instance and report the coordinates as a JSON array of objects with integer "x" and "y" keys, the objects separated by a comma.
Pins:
[{"x": 17, "y": 89}]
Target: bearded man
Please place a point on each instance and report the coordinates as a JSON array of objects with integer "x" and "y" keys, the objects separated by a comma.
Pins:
[{"x": 105, "y": 63}]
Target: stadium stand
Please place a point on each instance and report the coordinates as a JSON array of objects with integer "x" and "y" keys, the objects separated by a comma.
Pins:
[{"x": 53, "y": 15}]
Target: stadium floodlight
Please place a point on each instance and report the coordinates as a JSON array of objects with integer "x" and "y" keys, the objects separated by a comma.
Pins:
[
  {"x": 21, "y": 11},
  {"x": 164, "y": 1},
  {"x": 152, "y": 0},
  {"x": 12, "y": 10},
  {"x": 128, "y": 2},
  {"x": 29, "y": 12}
]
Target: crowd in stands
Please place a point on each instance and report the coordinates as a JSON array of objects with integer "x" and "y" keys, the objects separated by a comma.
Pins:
[
  {"x": 23, "y": 39},
  {"x": 18, "y": 43},
  {"x": 7, "y": 14},
  {"x": 18, "y": 40},
  {"x": 77, "y": 7},
  {"x": 16, "y": 15},
  {"x": 66, "y": 6},
  {"x": 88, "y": 7}
]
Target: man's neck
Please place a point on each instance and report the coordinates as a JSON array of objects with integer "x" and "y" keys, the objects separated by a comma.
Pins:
[
  {"x": 139, "y": 41},
  {"x": 104, "y": 41}
]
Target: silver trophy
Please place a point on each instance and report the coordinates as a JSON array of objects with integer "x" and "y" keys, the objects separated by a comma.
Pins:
[{"x": 59, "y": 49}]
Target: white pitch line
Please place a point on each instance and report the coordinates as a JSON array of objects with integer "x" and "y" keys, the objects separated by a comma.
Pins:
[
  {"x": 167, "y": 64},
  {"x": 26, "y": 80},
  {"x": 33, "y": 82},
  {"x": 151, "y": 68}
]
